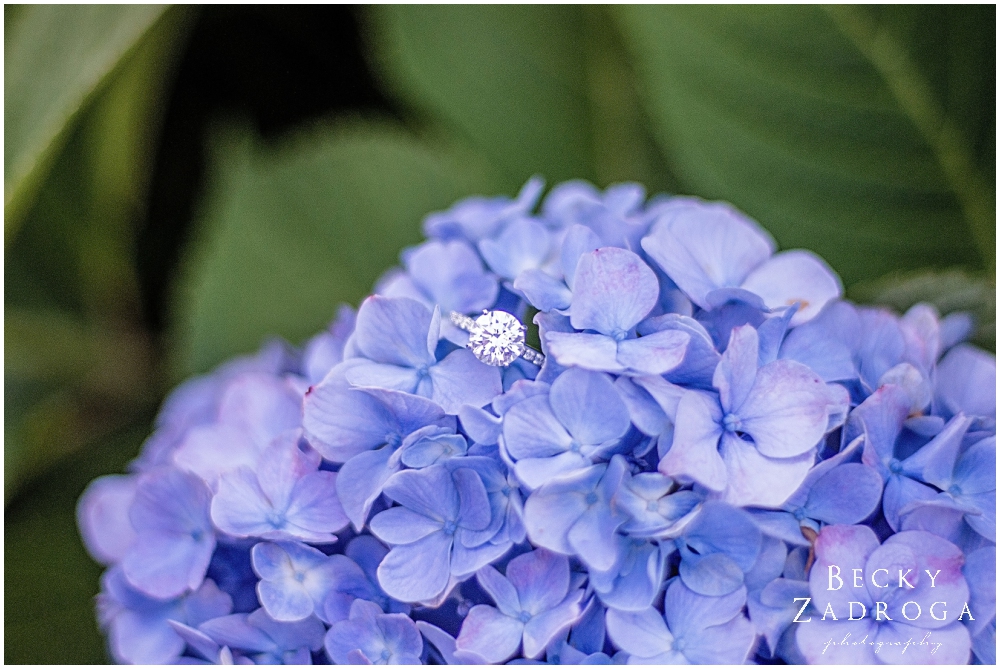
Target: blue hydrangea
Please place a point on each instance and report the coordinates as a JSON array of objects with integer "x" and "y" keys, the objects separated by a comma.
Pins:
[{"x": 713, "y": 436}]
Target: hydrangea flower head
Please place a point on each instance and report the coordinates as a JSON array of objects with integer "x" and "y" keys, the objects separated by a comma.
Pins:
[{"x": 710, "y": 432}]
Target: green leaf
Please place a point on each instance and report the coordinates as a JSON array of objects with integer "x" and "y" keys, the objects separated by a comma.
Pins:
[
  {"x": 78, "y": 361},
  {"x": 288, "y": 233},
  {"x": 949, "y": 291},
  {"x": 510, "y": 80},
  {"x": 851, "y": 131},
  {"x": 50, "y": 581},
  {"x": 55, "y": 58}
]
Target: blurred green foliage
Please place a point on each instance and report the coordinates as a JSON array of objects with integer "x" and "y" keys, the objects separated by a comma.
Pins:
[{"x": 866, "y": 134}]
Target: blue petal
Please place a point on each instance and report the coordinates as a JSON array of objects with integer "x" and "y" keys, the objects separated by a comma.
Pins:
[
  {"x": 418, "y": 571},
  {"x": 613, "y": 290},
  {"x": 704, "y": 246},
  {"x": 695, "y": 452},
  {"x": 452, "y": 276},
  {"x": 590, "y": 351},
  {"x": 643, "y": 410},
  {"x": 531, "y": 430},
  {"x": 826, "y": 344},
  {"x": 541, "y": 579},
  {"x": 588, "y": 405},
  {"x": 787, "y": 410},
  {"x": 721, "y": 528},
  {"x": 966, "y": 382},
  {"x": 795, "y": 277},
  {"x": 656, "y": 353},
  {"x": 641, "y": 634},
  {"x": 523, "y": 245},
  {"x": 542, "y": 290},
  {"x": 461, "y": 379},
  {"x": 342, "y": 423},
  {"x": 578, "y": 241},
  {"x": 734, "y": 377},
  {"x": 714, "y": 575},
  {"x": 428, "y": 491},
  {"x": 360, "y": 483},
  {"x": 489, "y": 634},
  {"x": 395, "y": 331}
]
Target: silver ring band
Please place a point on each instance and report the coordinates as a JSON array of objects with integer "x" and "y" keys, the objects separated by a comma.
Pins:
[{"x": 496, "y": 338}]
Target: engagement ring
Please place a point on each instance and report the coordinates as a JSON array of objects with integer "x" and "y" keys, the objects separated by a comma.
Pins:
[{"x": 496, "y": 338}]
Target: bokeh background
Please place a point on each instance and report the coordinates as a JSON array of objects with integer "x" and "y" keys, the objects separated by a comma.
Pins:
[{"x": 181, "y": 183}]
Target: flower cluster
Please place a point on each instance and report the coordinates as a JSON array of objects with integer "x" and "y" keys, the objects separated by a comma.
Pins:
[{"x": 714, "y": 441}]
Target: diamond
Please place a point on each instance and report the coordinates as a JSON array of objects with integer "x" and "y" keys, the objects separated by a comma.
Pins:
[{"x": 497, "y": 338}]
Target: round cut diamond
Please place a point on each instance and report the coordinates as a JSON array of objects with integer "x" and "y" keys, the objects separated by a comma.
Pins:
[{"x": 496, "y": 338}]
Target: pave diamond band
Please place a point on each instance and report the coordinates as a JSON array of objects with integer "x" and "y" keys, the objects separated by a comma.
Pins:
[{"x": 496, "y": 338}]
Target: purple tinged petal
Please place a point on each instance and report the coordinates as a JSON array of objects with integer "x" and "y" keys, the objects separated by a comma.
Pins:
[
  {"x": 451, "y": 275},
  {"x": 656, "y": 353},
  {"x": 591, "y": 537},
  {"x": 976, "y": 471},
  {"x": 966, "y": 382},
  {"x": 704, "y": 246},
  {"x": 360, "y": 483},
  {"x": 827, "y": 343},
  {"x": 543, "y": 291},
  {"x": 812, "y": 641},
  {"x": 641, "y": 634},
  {"x": 489, "y": 634},
  {"x": 261, "y": 405},
  {"x": 534, "y": 472},
  {"x": 786, "y": 411},
  {"x": 694, "y": 453},
  {"x": 541, "y": 579},
  {"x": 280, "y": 468},
  {"x": 922, "y": 551},
  {"x": 500, "y": 589},
  {"x": 474, "y": 505},
  {"x": 418, "y": 571},
  {"x": 613, "y": 290},
  {"x": 394, "y": 331},
  {"x": 588, "y": 406},
  {"x": 954, "y": 648},
  {"x": 729, "y": 643},
  {"x": 400, "y": 525},
  {"x": 845, "y": 495},
  {"x": 461, "y": 379},
  {"x": 531, "y": 430},
  {"x": 102, "y": 514},
  {"x": 579, "y": 240},
  {"x": 590, "y": 351},
  {"x": 734, "y": 377},
  {"x": 643, "y": 410},
  {"x": 523, "y": 245},
  {"x": 165, "y": 564},
  {"x": 847, "y": 547},
  {"x": 700, "y": 357},
  {"x": 240, "y": 507},
  {"x": 688, "y": 612},
  {"x": 314, "y": 509},
  {"x": 430, "y": 492},
  {"x": 795, "y": 277},
  {"x": 548, "y": 625},
  {"x": 342, "y": 423},
  {"x": 141, "y": 639},
  {"x": 212, "y": 450},
  {"x": 368, "y": 374},
  {"x": 899, "y": 493},
  {"x": 754, "y": 479},
  {"x": 553, "y": 509},
  {"x": 935, "y": 461}
]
